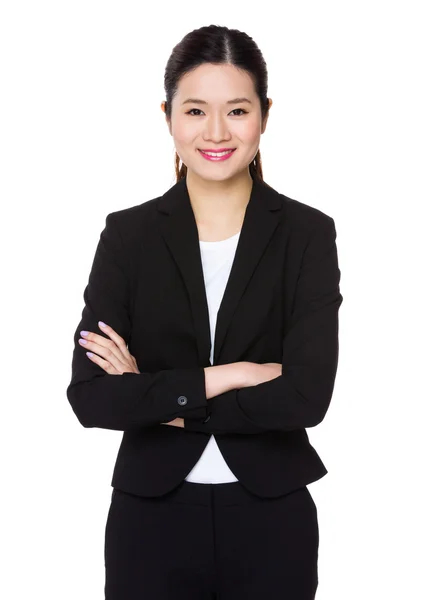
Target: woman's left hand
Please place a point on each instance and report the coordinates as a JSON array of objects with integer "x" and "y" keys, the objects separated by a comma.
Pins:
[{"x": 116, "y": 356}]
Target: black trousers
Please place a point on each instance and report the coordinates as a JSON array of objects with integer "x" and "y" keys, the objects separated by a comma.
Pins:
[{"x": 211, "y": 541}]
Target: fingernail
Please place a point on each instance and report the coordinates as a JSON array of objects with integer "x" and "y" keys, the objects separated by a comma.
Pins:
[
  {"x": 83, "y": 341},
  {"x": 89, "y": 353},
  {"x": 101, "y": 324},
  {"x": 84, "y": 333}
]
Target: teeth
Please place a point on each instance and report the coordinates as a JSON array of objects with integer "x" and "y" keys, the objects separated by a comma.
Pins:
[{"x": 217, "y": 153}]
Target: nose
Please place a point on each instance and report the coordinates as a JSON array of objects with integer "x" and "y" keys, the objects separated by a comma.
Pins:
[{"x": 216, "y": 129}]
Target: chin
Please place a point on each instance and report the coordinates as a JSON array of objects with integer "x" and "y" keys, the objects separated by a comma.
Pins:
[{"x": 218, "y": 176}]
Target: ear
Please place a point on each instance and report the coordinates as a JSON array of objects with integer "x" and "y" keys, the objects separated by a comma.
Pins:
[
  {"x": 265, "y": 120},
  {"x": 169, "y": 125}
]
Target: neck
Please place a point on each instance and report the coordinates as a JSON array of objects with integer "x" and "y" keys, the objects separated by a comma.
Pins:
[{"x": 219, "y": 201}]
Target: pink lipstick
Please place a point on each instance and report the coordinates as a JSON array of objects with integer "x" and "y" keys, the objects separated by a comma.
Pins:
[{"x": 217, "y": 155}]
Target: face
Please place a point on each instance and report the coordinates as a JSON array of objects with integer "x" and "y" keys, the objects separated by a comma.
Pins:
[{"x": 205, "y": 116}]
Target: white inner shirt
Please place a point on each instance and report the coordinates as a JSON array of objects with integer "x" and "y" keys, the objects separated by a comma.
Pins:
[{"x": 217, "y": 259}]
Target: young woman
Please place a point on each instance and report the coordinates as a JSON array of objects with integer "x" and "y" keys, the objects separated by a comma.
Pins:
[{"x": 209, "y": 336}]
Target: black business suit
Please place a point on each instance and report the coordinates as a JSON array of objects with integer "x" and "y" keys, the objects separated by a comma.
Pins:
[{"x": 280, "y": 305}]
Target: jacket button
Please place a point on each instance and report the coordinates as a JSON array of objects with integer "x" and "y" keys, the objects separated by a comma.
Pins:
[
  {"x": 205, "y": 420},
  {"x": 182, "y": 400}
]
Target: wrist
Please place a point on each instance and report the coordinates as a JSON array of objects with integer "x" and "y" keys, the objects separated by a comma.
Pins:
[
  {"x": 236, "y": 374},
  {"x": 242, "y": 376}
]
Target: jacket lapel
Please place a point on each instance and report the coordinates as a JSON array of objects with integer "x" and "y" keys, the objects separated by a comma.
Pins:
[{"x": 179, "y": 230}]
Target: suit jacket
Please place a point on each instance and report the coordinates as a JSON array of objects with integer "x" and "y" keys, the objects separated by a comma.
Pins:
[{"x": 280, "y": 305}]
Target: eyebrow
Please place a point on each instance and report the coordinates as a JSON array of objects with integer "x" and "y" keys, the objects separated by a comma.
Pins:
[{"x": 198, "y": 101}]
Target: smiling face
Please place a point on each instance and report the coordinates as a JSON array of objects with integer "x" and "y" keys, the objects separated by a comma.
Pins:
[{"x": 215, "y": 108}]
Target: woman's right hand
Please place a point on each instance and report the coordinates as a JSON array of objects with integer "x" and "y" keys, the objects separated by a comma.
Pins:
[
  {"x": 260, "y": 373},
  {"x": 222, "y": 378}
]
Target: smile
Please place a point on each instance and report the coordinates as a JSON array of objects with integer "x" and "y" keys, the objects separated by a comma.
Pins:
[{"x": 216, "y": 156}]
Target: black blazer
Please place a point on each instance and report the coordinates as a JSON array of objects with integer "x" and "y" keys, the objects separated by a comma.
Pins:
[{"x": 280, "y": 305}]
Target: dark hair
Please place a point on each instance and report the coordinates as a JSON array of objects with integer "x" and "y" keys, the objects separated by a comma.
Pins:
[{"x": 217, "y": 45}]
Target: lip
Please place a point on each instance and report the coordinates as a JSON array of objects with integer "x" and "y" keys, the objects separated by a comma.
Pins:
[
  {"x": 217, "y": 158},
  {"x": 215, "y": 149}
]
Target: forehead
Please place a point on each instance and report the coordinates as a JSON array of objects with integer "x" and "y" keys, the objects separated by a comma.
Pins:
[{"x": 215, "y": 84}]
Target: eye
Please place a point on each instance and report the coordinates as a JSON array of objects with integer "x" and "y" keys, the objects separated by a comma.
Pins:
[
  {"x": 192, "y": 109},
  {"x": 241, "y": 109}
]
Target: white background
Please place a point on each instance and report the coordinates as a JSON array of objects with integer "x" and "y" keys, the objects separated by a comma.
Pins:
[{"x": 82, "y": 134}]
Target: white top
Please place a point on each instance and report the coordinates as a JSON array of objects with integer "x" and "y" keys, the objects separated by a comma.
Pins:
[{"x": 217, "y": 259}]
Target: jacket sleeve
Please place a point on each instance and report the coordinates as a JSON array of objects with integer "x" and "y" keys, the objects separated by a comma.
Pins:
[
  {"x": 132, "y": 400},
  {"x": 300, "y": 397}
]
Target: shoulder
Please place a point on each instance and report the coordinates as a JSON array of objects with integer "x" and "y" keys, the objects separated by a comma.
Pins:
[
  {"x": 304, "y": 217},
  {"x": 131, "y": 216},
  {"x": 298, "y": 215},
  {"x": 132, "y": 220}
]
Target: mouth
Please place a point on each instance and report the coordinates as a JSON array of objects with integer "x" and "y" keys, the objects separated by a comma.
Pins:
[{"x": 217, "y": 155}]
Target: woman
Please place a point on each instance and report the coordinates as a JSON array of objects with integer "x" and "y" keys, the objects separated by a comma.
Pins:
[{"x": 217, "y": 305}]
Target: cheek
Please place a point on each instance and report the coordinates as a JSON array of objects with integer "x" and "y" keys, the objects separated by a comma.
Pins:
[
  {"x": 251, "y": 133},
  {"x": 184, "y": 132},
  {"x": 248, "y": 131}
]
